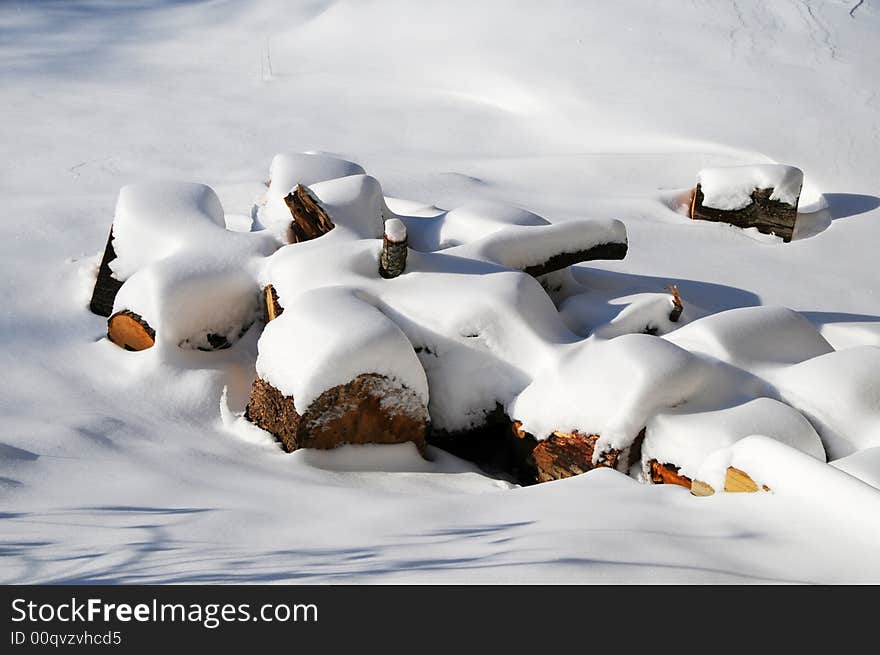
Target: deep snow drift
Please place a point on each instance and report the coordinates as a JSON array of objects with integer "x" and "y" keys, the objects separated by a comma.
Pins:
[{"x": 119, "y": 466}]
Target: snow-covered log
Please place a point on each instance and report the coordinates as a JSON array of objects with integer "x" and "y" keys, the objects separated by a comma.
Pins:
[
  {"x": 564, "y": 454},
  {"x": 310, "y": 219},
  {"x": 392, "y": 261},
  {"x": 369, "y": 409},
  {"x": 764, "y": 197}
]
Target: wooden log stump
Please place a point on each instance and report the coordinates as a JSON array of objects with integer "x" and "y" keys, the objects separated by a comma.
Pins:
[
  {"x": 369, "y": 409},
  {"x": 392, "y": 261},
  {"x": 128, "y": 330},
  {"x": 310, "y": 220},
  {"x": 106, "y": 286},
  {"x": 272, "y": 308},
  {"x": 768, "y": 216}
]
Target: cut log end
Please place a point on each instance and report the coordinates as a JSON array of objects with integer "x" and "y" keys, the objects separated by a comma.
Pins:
[
  {"x": 106, "y": 286},
  {"x": 735, "y": 481},
  {"x": 700, "y": 488},
  {"x": 768, "y": 216},
  {"x": 369, "y": 409},
  {"x": 272, "y": 308},
  {"x": 310, "y": 220},
  {"x": 128, "y": 330}
]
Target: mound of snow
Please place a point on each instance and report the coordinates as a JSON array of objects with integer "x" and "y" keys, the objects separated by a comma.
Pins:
[
  {"x": 730, "y": 187},
  {"x": 327, "y": 338},
  {"x": 756, "y": 339},
  {"x": 840, "y": 394},
  {"x": 585, "y": 314},
  {"x": 687, "y": 438},
  {"x": 289, "y": 169},
  {"x": 864, "y": 465}
]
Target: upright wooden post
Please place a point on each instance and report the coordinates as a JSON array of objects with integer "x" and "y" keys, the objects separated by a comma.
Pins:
[{"x": 393, "y": 258}]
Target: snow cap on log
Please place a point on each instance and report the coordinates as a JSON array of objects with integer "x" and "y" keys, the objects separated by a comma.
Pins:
[{"x": 289, "y": 169}]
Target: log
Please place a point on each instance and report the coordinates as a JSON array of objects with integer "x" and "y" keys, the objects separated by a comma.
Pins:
[
  {"x": 563, "y": 455},
  {"x": 368, "y": 409},
  {"x": 273, "y": 308},
  {"x": 614, "y": 250},
  {"x": 667, "y": 474},
  {"x": 768, "y": 216},
  {"x": 392, "y": 261},
  {"x": 128, "y": 330},
  {"x": 106, "y": 286},
  {"x": 310, "y": 220}
]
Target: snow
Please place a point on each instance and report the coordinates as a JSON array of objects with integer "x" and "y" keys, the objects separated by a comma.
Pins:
[
  {"x": 730, "y": 187},
  {"x": 395, "y": 230},
  {"x": 302, "y": 353},
  {"x": 686, "y": 438},
  {"x": 118, "y": 467}
]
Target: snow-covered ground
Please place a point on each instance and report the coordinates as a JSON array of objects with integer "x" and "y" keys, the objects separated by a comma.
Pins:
[{"x": 111, "y": 471}]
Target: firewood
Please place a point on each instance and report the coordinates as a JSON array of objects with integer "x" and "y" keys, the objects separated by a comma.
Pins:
[
  {"x": 392, "y": 261},
  {"x": 700, "y": 488},
  {"x": 557, "y": 262},
  {"x": 310, "y": 220},
  {"x": 735, "y": 481},
  {"x": 128, "y": 330},
  {"x": 563, "y": 455},
  {"x": 677, "y": 305},
  {"x": 768, "y": 216},
  {"x": 368, "y": 409},
  {"x": 667, "y": 474},
  {"x": 106, "y": 286},
  {"x": 272, "y": 307}
]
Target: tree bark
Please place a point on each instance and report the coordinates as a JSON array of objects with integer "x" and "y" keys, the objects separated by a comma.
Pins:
[
  {"x": 667, "y": 474},
  {"x": 768, "y": 216},
  {"x": 392, "y": 261},
  {"x": 310, "y": 220},
  {"x": 106, "y": 286},
  {"x": 563, "y": 260}
]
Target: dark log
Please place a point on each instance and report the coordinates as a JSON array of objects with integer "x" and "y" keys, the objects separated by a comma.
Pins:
[
  {"x": 768, "y": 216},
  {"x": 392, "y": 261},
  {"x": 128, "y": 330},
  {"x": 563, "y": 455},
  {"x": 272, "y": 308},
  {"x": 563, "y": 260},
  {"x": 667, "y": 474},
  {"x": 310, "y": 220},
  {"x": 106, "y": 286},
  {"x": 365, "y": 410}
]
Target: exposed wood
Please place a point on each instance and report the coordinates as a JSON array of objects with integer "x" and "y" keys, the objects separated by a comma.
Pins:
[
  {"x": 677, "y": 305},
  {"x": 106, "y": 286},
  {"x": 667, "y": 474},
  {"x": 272, "y": 307},
  {"x": 310, "y": 220},
  {"x": 700, "y": 488},
  {"x": 369, "y": 409},
  {"x": 392, "y": 261},
  {"x": 768, "y": 216},
  {"x": 128, "y": 330},
  {"x": 739, "y": 481},
  {"x": 563, "y": 455},
  {"x": 566, "y": 259}
]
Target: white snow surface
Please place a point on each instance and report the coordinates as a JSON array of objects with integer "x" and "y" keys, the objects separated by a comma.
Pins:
[
  {"x": 136, "y": 467},
  {"x": 731, "y": 187}
]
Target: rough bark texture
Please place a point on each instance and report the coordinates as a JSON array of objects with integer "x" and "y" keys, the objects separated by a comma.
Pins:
[
  {"x": 392, "y": 261},
  {"x": 667, "y": 474},
  {"x": 563, "y": 455},
  {"x": 677, "y": 305},
  {"x": 369, "y": 409},
  {"x": 106, "y": 286},
  {"x": 272, "y": 308},
  {"x": 128, "y": 330},
  {"x": 309, "y": 219},
  {"x": 566, "y": 259},
  {"x": 769, "y": 216}
]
